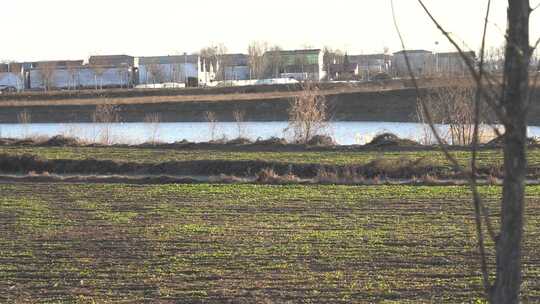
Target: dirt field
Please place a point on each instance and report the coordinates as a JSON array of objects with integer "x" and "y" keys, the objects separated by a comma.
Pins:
[{"x": 265, "y": 244}]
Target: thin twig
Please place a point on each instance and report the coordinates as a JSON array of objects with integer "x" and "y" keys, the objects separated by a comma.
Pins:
[
  {"x": 453, "y": 161},
  {"x": 470, "y": 65},
  {"x": 478, "y": 80},
  {"x": 478, "y": 206},
  {"x": 535, "y": 45}
]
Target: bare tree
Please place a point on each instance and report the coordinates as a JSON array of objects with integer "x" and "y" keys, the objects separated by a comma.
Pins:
[
  {"x": 47, "y": 71},
  {"x": 152, "y": 120},
  {"x": 215, "y": 55},
  {"x": 273, "y": 62},
  {"x": 123, "y": 75},
  {"x": 72, "y": 71},
  {"x": 155, "y": 72},
  {"x": 106, "y": 115},
  {"x": 212, "y": 123},
  {"x": 510, "y": 107},
  {"x": 17, "y": 70},
  {"x": 99, "y": 70},
  {"x": 239, "y": 118},
  {"x": 308, "y": 115},
  {"x": 24, "y": 118},
  {"x": 514, "y": 104},
  {"x": 256, "y": 50},
  {"x": 453, "y": 105}
]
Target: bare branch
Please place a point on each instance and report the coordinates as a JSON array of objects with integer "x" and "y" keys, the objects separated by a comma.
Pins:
[
  {"x": 470, "y": 65},
  {"x": 453, "y": 161},
  {"x": 535, "y": 45},
  {"x": 478, "y": 206}
]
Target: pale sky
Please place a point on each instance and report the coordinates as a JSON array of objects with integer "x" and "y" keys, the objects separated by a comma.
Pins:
[{"x": 75, "y": 29}]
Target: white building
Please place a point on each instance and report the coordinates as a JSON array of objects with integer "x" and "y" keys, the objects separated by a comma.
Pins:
[
  {"x": 452, "y": 63},
  {"x": 422, "y": 63},
  {"x": 184, "y": 69},
  {"x": 11, "y": 75},
  {"x": 10, "y": 79},
  {"x": 80, "y": 77}
]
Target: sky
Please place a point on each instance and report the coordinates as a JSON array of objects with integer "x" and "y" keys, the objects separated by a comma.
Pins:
[{"x": 76, "y": 29}]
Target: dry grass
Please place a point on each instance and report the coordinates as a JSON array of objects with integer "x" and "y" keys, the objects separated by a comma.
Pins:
[
  {"x": 105, "y": 115},
  {"x": 152, "y": 120},
  {"x": 211, "y": 118},
  {"x": 239, "y": 118},
  {"x": 24, "y": 118},
  {"x": 308, "y": 114},
  {"x": 188, "y": 98},
  {"x": 269, "y": 176}
]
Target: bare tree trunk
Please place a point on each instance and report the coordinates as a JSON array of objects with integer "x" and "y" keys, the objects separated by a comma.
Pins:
[{"x": 516, "y": 81}]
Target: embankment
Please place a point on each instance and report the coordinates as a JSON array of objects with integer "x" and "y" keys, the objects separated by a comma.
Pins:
[
  {"x": 388, "y": 105},
  {"x": 345, "y": 104}
]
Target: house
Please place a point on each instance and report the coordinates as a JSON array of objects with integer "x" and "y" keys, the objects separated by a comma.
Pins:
[
  {"x": 372, "y": 64},
  {"x": 182, "y": 69},
  {"x": 343, "y": 71},
  {"x": 452, "y": 63},
  {"x": 296, "y": 64},
  {"x": 112, "y": 60},
  {"x": 422, "y": 63}
]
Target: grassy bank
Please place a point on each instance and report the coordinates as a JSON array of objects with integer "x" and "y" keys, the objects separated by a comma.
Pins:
[{"x": 157, "y": 155}]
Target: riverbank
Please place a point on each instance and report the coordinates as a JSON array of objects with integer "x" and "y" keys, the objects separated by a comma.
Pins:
[{"x": 345, "y": 105}]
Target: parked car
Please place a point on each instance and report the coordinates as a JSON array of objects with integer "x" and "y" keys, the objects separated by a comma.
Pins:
[{"x": 7, "y": 89}]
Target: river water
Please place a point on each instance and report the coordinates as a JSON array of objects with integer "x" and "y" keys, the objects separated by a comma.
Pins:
[{"x": 345, "y": 133}]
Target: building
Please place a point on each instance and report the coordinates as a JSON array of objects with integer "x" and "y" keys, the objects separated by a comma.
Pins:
[
  {"x": 234, "y": 67},
  {"x": 452, "y": 63},
  {"x": 380, "y": 63},
  {"x": 422, "y": 63},
  {"x": 297, "y": 64},
  {"x": 45, "y": 75},
  {"x": 112, "y": 60},
  {"x": 183, "y": 69},
  {"x": 371, "y": 64},
  {"x": 52, "y": 63},
  {"x": 80, "y": 77},
  {"x": 11, "y": 75},
  {"x": 343, "y": 71}
]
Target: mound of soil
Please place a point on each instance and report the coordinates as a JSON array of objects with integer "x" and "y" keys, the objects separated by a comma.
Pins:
[
  {"x": 391, "y": 140},
  {"x": 499, "y": 142},
  {"x": 321, "y": 140},
  {"x": 271, "y": 141},
  {"x": 7, "y": 141},
  {"x": 401, "y": 168},
  {"x": 239, "y": 141},
  {"x": 61, "y": 141}
]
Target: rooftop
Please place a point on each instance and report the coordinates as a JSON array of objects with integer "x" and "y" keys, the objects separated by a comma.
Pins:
[
  {"x": 169, "y": 59},
  {"x": 413, "y": 52}
]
